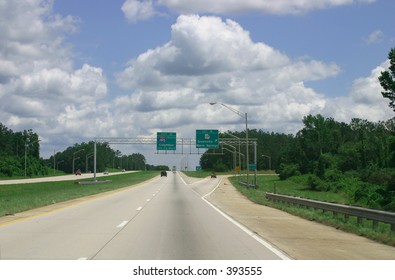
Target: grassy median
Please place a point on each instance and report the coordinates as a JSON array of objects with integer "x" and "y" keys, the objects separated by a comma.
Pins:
[{"x": 22, "y": 197}]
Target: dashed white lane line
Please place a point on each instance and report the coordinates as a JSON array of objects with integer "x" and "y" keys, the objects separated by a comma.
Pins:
[
  {"x": 138, "y": 209},
  {"x": 149, "y": 199},
  {"x": 121, "y": 225}
]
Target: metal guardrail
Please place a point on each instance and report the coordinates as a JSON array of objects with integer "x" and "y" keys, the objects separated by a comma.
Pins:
[{"x": 359, "y": 212}]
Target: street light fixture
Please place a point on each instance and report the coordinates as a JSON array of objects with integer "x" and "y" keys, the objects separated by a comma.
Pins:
[{"x": 244, "y": 116}]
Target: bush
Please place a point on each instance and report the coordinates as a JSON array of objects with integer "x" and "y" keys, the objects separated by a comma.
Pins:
[
  {"x": 288, "y": 170},
  {"x": 369, "y": 195},
  {"x": 316, "y": 184}
]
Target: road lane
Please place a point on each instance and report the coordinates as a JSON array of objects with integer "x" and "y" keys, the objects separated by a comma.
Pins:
[
  {"x": 75, "y": 232},
  {"x": 162, "y": 219},
  {"x": 179, "y": 224}
]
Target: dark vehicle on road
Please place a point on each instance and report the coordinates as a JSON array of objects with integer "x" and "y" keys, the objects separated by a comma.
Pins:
[
  {"x": 78, "y": 172},
  {"x": 163, "y": 173},
  {"x": 213, "y": 175}
]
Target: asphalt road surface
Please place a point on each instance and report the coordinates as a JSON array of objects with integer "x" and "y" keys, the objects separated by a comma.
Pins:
[{"x": 162, "y": 219}]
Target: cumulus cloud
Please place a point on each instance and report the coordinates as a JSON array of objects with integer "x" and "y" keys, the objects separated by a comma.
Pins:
[
  {"x": 39, "y": 87},
  {"x": 375, "y": 37},
  {"x": 208, "y": 59},
  {"x": 136, "y": 10},
  {"x": 364, "y": 100}
]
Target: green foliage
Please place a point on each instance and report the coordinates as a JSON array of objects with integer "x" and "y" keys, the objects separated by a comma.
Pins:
[
  {"x": 387, "y": 80},
  {"x": 288, "y": 170},
  {"x": 15, "y": 148},
  {"x": 106, "y": 158}
]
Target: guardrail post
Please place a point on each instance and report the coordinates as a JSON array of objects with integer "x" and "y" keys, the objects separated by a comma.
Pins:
[{"x": 346, "y": 218}]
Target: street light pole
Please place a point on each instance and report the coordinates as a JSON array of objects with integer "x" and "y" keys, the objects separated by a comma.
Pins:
[
  {"x": 246, "y": 120},
  {"x": 230, "y": 134},
  {"x": 74, "y": 156},
  {"x": 270, "y": 161}
]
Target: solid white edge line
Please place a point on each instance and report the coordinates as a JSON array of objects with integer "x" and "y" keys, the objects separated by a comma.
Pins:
[
  {"x": 121, "y": 225},
  {"x": 269, "y": 246}
]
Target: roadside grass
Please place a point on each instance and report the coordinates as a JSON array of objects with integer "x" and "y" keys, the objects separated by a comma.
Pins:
[
  {"x": 22, "y": 197},
  {"x": 382, "y": 233}
]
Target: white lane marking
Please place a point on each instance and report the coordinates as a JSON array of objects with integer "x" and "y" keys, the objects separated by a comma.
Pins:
[
  {"x": 121, "y": 225},
  {"x": 138, "y": 209},
  {"x": 82, "y": 259},
  {"x": 269, "y": 246},
  {"x": 149, "y": 199}
]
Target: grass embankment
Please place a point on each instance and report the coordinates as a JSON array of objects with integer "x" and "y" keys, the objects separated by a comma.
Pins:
[
  {"x": 381, "y": 234},
  {"x": 22, "y": 197}
]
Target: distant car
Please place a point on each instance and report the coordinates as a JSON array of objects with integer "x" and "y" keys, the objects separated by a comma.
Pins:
[
  {"x": 78, "y": 172},
  {"x": 106, "y": 172},
  {"x": 163, "y": 173},
  {"x": 123, "y": 170},
  {"x": 213, "y": 175}
]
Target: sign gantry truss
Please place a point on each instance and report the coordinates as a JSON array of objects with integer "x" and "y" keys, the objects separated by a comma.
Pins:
[{"x": 180, "y": 142}]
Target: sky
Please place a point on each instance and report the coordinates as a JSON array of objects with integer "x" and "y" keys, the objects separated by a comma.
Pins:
[{"x": 76, "y": 70}]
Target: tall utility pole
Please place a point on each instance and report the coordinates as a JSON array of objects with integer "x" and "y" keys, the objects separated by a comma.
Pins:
[{"x": 244, "y": 116}]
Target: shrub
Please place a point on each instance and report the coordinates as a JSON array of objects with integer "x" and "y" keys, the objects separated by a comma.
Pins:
[{"x": 288, "y": 170}]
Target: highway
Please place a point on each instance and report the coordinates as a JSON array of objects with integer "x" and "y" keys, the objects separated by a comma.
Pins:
[{"x": 163, "y": 219}]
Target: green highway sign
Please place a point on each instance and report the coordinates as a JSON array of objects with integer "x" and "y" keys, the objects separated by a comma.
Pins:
[
  {"x": 207, "y": 139},
  {"x": 166, "y": 141},
  {"x": 252, "y": 166}
]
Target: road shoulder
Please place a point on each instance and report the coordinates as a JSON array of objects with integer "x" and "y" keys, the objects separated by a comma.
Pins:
[{"x": 299, "y": 238}]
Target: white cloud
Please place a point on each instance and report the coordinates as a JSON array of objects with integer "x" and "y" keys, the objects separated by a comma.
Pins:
[
  {"x": 265, "y": 6},
  {"x": 375, "y": 37},
  {"x": 136, "y": 10},
  {"x": 208, "y": 59},
  {"x": 39, "y": 87},
  {"x": 364, "y": 100}
]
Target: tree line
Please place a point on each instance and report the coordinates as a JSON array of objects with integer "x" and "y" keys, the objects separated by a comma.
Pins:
[
  {"x": 20, "y": 157},
  {"x": 81, "y": 157},
  {"x": 327, "y": 155},
  {"x": 20, "y": 153}
]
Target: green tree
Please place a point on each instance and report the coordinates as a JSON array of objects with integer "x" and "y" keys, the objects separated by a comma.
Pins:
[{"x": 387, "y": 80}]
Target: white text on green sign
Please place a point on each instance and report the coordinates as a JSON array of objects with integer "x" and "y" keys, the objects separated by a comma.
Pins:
[
  {"x": 207, "y": 139},
  {"x": 166, "y": 141}
]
